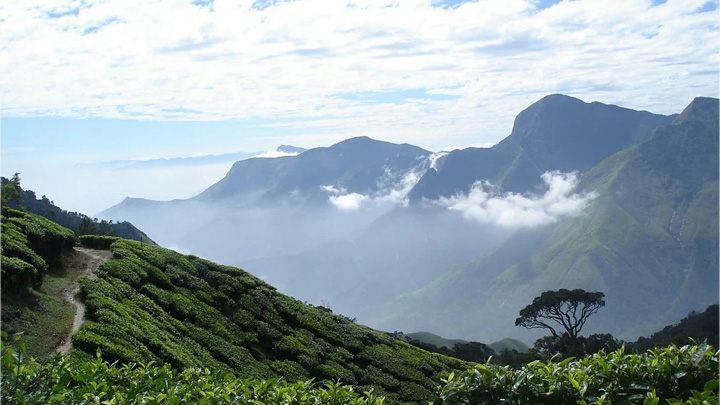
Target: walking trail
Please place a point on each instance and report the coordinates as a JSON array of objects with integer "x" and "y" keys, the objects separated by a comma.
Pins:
[{"x": 95, "y": 259}]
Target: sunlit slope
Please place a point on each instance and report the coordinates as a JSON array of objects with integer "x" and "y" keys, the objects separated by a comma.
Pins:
[
  {"x": 649, "y": 241},
  {"x": 154, "y": 304}
]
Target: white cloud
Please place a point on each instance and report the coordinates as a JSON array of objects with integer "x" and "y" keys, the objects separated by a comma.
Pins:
[
  {"x": 485, "y": 205},
  {"x": 333, "y": 190},
  {"x": 348, "y": 202},
  {"x": 275, "y": 154},
  {"x": 392, "y": 189},
  {"x": 171, "y": 59}
]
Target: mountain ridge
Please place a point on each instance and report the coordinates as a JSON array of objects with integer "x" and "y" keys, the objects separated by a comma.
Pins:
[
  {"x": 619, "y": 242},
  {"x": 543, "y": 138}
]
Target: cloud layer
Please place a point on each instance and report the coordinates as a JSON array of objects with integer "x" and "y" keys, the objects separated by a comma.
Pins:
[
  {"x": 392, "y": 189},
  {"x": 402, "y": 70},
  {"x": 485, "y": 205}
]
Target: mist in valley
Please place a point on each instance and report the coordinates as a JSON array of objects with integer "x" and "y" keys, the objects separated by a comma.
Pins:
[{"x": 356, "y": 250}]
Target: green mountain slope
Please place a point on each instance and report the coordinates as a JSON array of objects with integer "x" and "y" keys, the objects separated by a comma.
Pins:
[
  {"x": 32, "y": 249},
  {"x": 153, "y": 304},
  {"x": 77, "y": 222},
  {"x": 649, "y": 241}
]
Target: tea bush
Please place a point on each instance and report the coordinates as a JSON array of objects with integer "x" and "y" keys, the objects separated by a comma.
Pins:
[{"x": 687, "y": 374}]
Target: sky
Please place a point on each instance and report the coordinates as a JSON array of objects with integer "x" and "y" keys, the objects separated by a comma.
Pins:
[{"x": 89, "y": 81}]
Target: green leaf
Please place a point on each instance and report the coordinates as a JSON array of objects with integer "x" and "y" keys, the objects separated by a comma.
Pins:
[
  {"x": 651, "y": 401},
  {"x": 566, "y": 362},
  {"x": 711, "y": 385}
]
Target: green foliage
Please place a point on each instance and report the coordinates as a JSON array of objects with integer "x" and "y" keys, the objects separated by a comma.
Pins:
[
  {"x": 151, "y": 304},
  {"x": 97, "y": 241},
  {"x": 11, "y": 191},
  {"x": 695, "y": 327},
  {"x": 29, "y": 243},
  {"x": 62, "y": 381},
  {"x": 674, "y": 374},
  {"x": 14, "y": 196},
  {"x": 566, "y": 346},
  {"x": 561, "y": 307}
]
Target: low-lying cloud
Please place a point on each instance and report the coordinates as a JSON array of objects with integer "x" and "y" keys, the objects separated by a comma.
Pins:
[
  {"x": 485, "y": 204},
  {"x": 392, "y": 189},
  {"x": 275, "y": 154}
]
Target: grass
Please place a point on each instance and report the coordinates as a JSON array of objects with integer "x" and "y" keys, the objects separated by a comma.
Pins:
[{"x": 41, "y": 314}]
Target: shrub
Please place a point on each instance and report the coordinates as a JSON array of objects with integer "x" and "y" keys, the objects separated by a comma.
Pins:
[
  {"x": 97, "y": 241},
  {"x": 672, "y": 374}
]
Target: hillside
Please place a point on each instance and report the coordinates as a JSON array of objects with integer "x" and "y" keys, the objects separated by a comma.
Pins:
[
  {"x": 696, "y": 327},
  {"x": 649, "y": 241},
  {"x": 79, "y": 223},
  {"x": 33, "y": 249},
  {"x": 153, "y": 304}
]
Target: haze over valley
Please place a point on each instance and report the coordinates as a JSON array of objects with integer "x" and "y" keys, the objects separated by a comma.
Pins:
[{"x": 457, "y": 242}]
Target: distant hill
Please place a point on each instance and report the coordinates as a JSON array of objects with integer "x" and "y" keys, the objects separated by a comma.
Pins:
[
  {"x": 697, "y": 326},
  {"x": 290, "y": 149},
  {"x": 439, "y": 341},
  {"x": 509, "y": 344},
  {"x": 267, "y": 196},
  {"x": 355, "y": 165},
  {"x": 433, "y": 339},
  {"x": 557, "y": 132},
  {"x": 77, "y": 222},
  {"x": 649, "y": 241}
]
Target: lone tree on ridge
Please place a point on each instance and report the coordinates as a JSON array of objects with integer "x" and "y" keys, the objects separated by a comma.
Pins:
[{"x": 568, "y": 309}]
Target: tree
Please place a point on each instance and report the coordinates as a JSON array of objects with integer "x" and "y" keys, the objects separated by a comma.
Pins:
[
  {"x": 580, "y": 346},
  {"x": 11, "y": 191},
  {"x": 569, "y": 309}
]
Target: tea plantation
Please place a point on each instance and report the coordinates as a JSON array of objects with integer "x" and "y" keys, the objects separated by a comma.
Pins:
[{"x": 162, "y": 327}]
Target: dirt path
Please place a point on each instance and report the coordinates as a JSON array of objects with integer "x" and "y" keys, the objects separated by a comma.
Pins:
[{"x": 96, "y": 258}]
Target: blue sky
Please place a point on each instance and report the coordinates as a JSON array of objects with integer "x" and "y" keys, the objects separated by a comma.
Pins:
[{"x": 91, "y": 81}]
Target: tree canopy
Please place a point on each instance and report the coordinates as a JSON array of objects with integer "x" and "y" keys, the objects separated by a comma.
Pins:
[
  {"x": 568, "y": 309},
  {"x": 11, "y": 190}
]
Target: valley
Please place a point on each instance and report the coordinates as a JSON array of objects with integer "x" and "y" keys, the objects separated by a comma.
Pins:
[{"x": 579, "y": 195}]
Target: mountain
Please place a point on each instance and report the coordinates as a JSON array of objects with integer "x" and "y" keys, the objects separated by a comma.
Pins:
[
  {"x": 439, "y": 342},
  {"x": 433, "y": 339},
  {"x": 649, "y": 241},
  {"x": 355, "y": 165},
  {"x": 362, "y": 222},
  {"x": 318, "y": 194},
  {"x": 557, "y": 132},
  {"x": 174, "y": 162},
  {"x": 290, "y": 149}
]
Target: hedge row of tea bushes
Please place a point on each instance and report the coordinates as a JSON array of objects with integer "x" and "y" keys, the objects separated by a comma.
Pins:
[
  {"x": 97, "y": 241},
  {"x": 95, "y": 381},
  {"x": 153, "y": 304},
  {"x": 673, "y": 375},
  {"x": 29, "y": 243}
]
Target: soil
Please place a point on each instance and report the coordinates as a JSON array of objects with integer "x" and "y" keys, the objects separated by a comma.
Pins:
[{"x": 95, "y": 259}]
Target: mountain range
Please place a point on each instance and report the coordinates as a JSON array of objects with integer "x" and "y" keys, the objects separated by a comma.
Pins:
[{"x": 582, "y": 195}]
